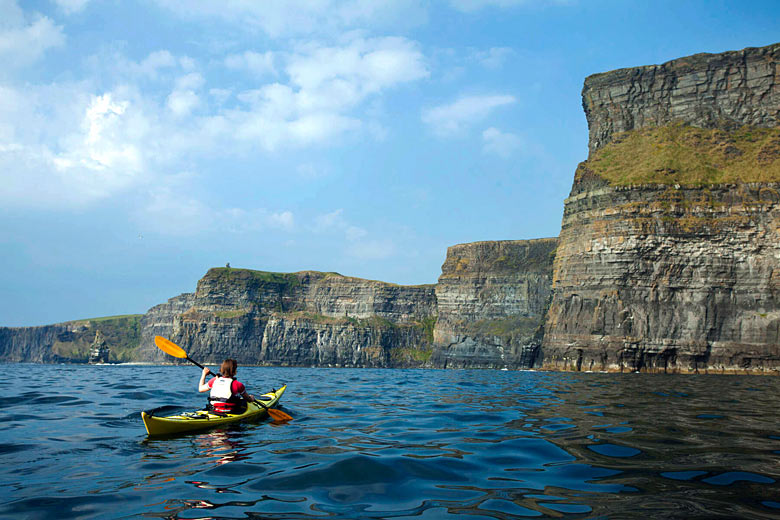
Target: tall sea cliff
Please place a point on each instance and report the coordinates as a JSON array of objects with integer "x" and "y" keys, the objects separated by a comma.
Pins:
[{"x": 669, "y": 253}]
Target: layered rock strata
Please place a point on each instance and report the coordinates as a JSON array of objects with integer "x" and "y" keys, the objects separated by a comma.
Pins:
[
  {"x": 705, "y": 90},
  {"x": 71, "y": 341},
  {"x": 289, "y": 319},
  {"x": 491, "y": 299},
  {"x": 681, "y": 272}
]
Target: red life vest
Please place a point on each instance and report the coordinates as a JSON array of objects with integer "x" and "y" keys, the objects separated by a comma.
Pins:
[{"x": 222, "y": 399}]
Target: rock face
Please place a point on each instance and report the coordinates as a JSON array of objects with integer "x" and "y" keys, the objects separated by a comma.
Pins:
[
  {"x": 489, "y": 302},
  {"x": 306, "y": 318},
  {"x": 663, "y": 276},
  {"x": 71, "y": 341},
  {"x": 705, "y": 90},
  {"x": 491, "y": 299}
]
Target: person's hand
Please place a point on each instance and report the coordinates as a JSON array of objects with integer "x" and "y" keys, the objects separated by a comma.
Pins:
[{"x": 206, "y": 372}]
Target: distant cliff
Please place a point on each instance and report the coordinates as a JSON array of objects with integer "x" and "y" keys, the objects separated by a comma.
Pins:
[
  {"x": 70, "y": 342},
  {"x": 307, "y": 318},
  {"x": 485, "y": 311},
  {"x": 669, "y": 253}
]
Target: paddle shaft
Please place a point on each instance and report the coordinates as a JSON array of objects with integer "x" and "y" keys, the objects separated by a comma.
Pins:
[{"x": 201, "y": 366}]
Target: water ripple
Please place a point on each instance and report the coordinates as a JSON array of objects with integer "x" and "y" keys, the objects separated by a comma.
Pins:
[{"x": 397, "y": 443}]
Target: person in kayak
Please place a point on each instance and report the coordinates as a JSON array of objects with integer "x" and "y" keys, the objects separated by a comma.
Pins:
[{"x": 228, "y": 395}]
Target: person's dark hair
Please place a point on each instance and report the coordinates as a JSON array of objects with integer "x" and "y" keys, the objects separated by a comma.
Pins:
[{"x": 228, "y": 368}]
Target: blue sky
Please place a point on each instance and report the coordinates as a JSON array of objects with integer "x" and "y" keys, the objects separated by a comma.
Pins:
[{"x": 142, "y": 142}]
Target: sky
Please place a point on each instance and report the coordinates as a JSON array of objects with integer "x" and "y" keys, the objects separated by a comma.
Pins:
[{"x": 143, "y": 142}]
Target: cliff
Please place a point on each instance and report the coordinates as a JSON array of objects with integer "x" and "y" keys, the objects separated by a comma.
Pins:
[
  {"x": 669, "y": 258},
  {"x": 71, "y": 341},
  {"x": 306, "y": 318},
  {"x": 491, "y": 299},
  {"x": 485, "y": 311}
]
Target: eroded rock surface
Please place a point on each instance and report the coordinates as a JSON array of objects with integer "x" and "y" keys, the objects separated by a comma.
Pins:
[
  {"x": 491, "y": 299},
  {"x": 705, "y": 90},
  {"x": 664, "y": 276}
]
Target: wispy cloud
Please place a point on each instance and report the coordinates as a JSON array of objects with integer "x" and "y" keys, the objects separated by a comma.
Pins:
[
  {"x": 284, "y": 18},
  {"x": 259, "y": 64},
  {"x": 24, "y": 39},
  {"x": 453, "y": 118},
  {"x": 358, "y": 244},
  {"x": 469, "y": 6},
  {"x": 170, "y": 211},
  {"x": 72, "y": 6},
  {"x": 503, "y": 144},
  {"x": 493, "y": 58}
]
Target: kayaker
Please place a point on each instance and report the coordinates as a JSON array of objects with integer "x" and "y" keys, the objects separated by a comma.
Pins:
[{"x": 228, "y": 395}]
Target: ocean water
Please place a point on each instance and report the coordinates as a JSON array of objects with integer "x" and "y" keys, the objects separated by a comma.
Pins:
[{"x": 393, "y": 444}]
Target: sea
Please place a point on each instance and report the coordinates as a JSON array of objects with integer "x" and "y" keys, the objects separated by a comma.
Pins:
[{"x": 381, "y": 443}]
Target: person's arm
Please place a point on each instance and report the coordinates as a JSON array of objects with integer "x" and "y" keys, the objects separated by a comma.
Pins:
[
  {"x": 202, "y": 386},
  {"x": 249, "y": 398}
]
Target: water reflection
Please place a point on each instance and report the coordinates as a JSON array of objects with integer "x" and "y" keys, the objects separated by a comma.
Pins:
[{"x": 219, "y": 446}]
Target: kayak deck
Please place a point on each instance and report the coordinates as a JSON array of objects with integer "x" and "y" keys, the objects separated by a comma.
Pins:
[{"x": 201, "y": 419}]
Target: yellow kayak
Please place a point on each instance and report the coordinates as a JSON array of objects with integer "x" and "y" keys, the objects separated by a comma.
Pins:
[{"x": 198, "y": 420}]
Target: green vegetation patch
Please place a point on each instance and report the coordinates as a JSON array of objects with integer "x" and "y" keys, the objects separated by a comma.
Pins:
[
  {"x": 686, "y": 155},
  {"x": 121, "y": 333},
  {"x": 411, "y": 356},
  {"x": 504, "y": 328},
  {"x": 232, "y": 314},
  {"x": 231, "y": 275}
]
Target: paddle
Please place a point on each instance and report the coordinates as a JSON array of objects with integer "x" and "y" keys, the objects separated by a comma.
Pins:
[{"x": 169, "y": 347}]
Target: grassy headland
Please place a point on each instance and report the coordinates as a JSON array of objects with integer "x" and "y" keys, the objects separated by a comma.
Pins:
[{"x": 689, "y": 156}]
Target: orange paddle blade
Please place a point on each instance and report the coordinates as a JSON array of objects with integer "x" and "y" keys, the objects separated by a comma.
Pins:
[
  {"x": 169, "y": 347},
  {"x": 279, "y": 415}
]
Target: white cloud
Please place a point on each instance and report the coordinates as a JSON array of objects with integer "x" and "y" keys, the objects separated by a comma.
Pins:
[
  {"x": 254, "y": 62},
  {"x": 329, "y": 221},
  {"x": 220, "y": 95},
  {"x": 88, "y": 141},
  {"x": 24, "y": 41},
  {"x": 469, "y": 6},
  {"x": 494, "y": 57},
  {"x": 372, "y": 249},
  {"x": 503, "y": 144},
  {"x": 61, "y": 147},
  {"x": 345, "y": 75},
  {"x": 335, "y": 221},
  {"x": 189, "y": 81},
  {"x": 358, "y": 244},
  {"x": 326, "y": 84},
  {"x": 170, "y": 211},
  {"x": 72, "y": 6},
  {"x": 182, "y": 102},
  {"x": 451, "y": 119},
  {"x": 282, "y": 18}
]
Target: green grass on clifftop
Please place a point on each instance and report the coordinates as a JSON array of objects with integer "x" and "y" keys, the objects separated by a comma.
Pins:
[
  {"x": 682, "y": 154},
  {"x": 121, "y": 333},
  {"x": 232, "y": 275}
]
